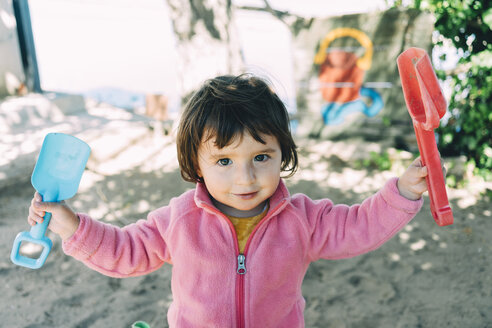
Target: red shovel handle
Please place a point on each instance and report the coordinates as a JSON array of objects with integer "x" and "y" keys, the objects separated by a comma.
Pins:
[{"x": 440, "y": 209}]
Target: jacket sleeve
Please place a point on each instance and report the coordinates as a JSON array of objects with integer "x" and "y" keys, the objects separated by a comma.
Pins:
[
  {"x": 341, "y": 231},
  {"x": 134, "y": 250}
]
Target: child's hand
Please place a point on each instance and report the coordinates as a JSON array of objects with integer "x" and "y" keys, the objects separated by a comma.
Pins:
[
  {"x": 411, "y": 183},
  {"x": 64, "y": 221}
]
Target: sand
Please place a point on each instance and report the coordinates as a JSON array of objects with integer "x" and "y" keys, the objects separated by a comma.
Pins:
[{"x": 426, "y": 276}]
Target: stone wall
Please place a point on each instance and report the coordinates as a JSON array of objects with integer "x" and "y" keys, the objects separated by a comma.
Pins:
[{"x": 388, "y": 33}]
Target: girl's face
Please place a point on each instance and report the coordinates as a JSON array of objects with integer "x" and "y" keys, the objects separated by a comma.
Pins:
[{"x": 241, "y": 176}]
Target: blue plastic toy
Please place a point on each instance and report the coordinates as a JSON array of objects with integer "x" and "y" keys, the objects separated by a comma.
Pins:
[
  {"x": 56, "y": 177},
  {"x": 334, "y": 113}
]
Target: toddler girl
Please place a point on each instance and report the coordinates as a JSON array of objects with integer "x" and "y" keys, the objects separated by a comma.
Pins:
[{"x": 239, "y": 243}]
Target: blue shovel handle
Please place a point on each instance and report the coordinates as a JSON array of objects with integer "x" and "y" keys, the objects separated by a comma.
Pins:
[{"x": 36, "y": 236}]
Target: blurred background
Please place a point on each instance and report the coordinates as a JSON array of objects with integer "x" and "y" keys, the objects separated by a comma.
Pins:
[
  {"x": 116, "y": 75},
  {"x": 148, "y": 57}
]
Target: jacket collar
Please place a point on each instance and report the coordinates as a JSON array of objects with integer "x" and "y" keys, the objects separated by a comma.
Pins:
[{"x": 278, "y": 200}]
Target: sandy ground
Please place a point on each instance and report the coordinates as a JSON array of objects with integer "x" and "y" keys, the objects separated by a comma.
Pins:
[{"x": 426, "y": 276}]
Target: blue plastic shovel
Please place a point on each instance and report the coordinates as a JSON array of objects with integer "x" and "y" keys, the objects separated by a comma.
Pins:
[{"x": 56, "y": 177}]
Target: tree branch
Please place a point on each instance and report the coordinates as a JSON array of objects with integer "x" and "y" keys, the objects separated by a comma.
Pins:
[{"x": 294, "y": 22}]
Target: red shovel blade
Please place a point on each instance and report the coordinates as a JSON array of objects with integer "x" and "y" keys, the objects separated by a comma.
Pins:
[{"x": 426, "y": 105}]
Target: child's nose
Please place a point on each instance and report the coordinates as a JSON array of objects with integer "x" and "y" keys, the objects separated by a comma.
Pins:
[{"x": 245, "y": 174}]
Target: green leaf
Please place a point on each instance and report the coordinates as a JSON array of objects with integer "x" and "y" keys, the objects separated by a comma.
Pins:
[
  {"x": 482, "y": 59},
  {"x": 487, "y": 17}
]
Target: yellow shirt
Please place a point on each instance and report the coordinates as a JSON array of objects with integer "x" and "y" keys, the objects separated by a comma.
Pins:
[{"x": 245, "y": 226}]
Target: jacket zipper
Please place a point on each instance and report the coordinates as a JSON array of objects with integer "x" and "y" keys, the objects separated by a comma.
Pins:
[
  {"x": 241, "y": 264},
  {"x": 241, "y": 270}
]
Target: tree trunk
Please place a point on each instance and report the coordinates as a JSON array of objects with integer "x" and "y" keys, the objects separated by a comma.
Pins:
[{"x": 207, "y": 41}]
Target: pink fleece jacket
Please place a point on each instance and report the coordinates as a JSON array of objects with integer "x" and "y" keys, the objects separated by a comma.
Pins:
[{"x": 215, "y": 286}]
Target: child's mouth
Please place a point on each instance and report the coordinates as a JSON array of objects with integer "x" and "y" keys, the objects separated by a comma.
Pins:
[{"x": 248, "y": 195}]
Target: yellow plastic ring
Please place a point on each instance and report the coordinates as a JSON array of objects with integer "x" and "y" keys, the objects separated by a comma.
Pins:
[{"x": 364, "y": 62}]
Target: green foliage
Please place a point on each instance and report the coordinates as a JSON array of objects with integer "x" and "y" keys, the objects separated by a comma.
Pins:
[
  {"x": 469, "y": 129},
  {"x": 462, "y": 21},
  {"x": 376, "y": 161},
  {"x": 466, "y": 24},
  {"x": 451, "y": 181}
]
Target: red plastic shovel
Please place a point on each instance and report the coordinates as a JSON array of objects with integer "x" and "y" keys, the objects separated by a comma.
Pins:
[{"x": 426, "y": 105}]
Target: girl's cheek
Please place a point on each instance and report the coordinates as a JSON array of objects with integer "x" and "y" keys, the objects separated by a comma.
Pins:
[{"x": 220, "y": 173}]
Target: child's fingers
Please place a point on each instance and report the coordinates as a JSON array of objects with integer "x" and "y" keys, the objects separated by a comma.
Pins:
[
  {"x": 34, "y": 219},
  {"x": 420, "y": 187},
  {"x": 417, "y": 170},
  {"x": 34, "y": 207},
  {"x": 35, "y": 216},
  {"x": 37, "y": 208},
  {"x": 36, "y": 198},
  {"x": 422, "y": 171},
  {"x": 417, "y": 162},
  {"x": 42, "y": 207},
  {"x": 31, "y": 221}
]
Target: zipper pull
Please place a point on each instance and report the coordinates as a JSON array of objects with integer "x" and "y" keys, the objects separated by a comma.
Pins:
[{"x": 241, "y": 264}]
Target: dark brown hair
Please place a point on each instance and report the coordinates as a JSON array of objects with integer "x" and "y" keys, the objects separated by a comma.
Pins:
[{"x": 224, "y": 108}]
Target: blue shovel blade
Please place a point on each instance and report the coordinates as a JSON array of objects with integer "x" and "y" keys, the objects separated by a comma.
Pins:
[
  {"x": 59, "y": 168},
  {"x": 56, "y": 177}
]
